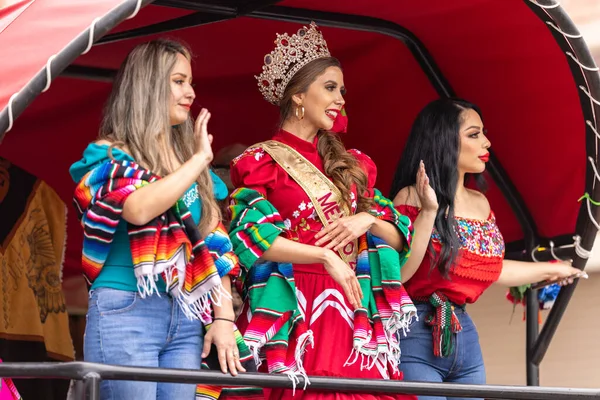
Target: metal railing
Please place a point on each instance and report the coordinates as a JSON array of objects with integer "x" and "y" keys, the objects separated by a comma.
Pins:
[{"x": 91, "y": 374}]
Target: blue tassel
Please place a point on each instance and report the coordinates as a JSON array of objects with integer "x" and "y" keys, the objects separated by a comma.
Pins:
[{"x": 547, "y": 295}]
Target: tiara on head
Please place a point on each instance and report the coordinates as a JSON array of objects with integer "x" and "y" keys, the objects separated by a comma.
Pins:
[{"x": 291, "y": 53}]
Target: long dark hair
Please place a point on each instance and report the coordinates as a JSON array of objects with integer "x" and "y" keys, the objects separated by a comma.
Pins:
[{"x": 434, "y": 138}]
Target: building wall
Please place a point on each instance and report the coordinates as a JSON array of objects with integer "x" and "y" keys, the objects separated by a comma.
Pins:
[{"x": 572, "y": 358}]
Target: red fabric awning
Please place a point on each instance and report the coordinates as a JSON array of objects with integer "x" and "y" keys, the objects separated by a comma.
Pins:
[{"x": 497, "y": 54}]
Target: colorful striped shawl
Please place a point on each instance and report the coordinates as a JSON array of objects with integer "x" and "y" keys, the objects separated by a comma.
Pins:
[
  {"x": 219, "y": 246},
  {"x": 169, "y": 246},
  {"x": 277, "y": 331}
]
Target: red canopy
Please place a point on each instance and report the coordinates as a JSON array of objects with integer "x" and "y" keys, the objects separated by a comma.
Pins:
[{"x": 497, "y": 54}]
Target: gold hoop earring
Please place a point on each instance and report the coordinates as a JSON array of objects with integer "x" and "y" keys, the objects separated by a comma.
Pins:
[{"x": 299, "y": 112}]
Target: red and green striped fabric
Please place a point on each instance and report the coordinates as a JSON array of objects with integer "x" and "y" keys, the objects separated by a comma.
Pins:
[
  {"x": 169, "y": 246},
  {"x": 277, "y": 331}
]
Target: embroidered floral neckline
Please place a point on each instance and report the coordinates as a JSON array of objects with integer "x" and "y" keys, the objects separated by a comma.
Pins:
[{"x": 478, "y": 236}]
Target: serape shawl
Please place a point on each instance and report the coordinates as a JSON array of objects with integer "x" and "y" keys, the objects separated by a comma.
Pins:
[
  {"x": 219, "y": 246},
  {"x": 170, "y": 246},
  {"x": 277, "y": 331}
]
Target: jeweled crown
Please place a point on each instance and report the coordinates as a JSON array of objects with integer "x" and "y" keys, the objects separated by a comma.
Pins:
[{"x": 291, "y": 53}]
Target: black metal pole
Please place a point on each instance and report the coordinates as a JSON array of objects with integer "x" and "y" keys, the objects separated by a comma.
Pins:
[
  {"x": 90, "y": 73},
  {"x": 92, "y": 385},
  {"x": 551, "y": 325},
  {"x": 187, "y": 21},
  {"x": 532, "y": 312},
  {"x": 92, "y": 374},
  {"x": 63, "y": 59},
  {"x": 590, "y": 81}
]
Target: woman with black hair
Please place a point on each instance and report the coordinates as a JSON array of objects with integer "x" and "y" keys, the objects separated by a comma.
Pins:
[{"x": 458, "y": 250}]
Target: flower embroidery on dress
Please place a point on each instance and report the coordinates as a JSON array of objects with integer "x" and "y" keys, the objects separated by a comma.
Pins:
[
  {"x": 258, "y": 153},
  {"x": 303, "y": 225},
  {"x": 481, "y": 237},
  {"x": 303, "y": 206}
]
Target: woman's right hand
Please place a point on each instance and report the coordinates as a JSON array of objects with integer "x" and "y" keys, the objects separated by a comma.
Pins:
[
  {"x": 345, "y": 277},
  {"x": 221, "y": 335},
  {"x": 201, "y": 135},
  {"x": 564, "y": 274},
  {"x": 426, "y": 194}
]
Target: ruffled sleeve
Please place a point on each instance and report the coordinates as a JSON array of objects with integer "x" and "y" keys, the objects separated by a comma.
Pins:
[
  {"x": 368, "y": 165},
  {"x": 255, "y": 222},
  {"x": 411, "y": 212},
  {"x": 254, "y": 169},
  {"x": 221, "y": 249},
  {"x": 383, "y": 208}
]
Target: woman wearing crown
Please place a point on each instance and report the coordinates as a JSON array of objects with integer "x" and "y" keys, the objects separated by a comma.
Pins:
[{"x": 321, "y": 248}]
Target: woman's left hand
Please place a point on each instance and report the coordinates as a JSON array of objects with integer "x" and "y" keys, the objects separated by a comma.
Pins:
[
  {"x": 344, "y": 230},
  {"x": 221, "y": 334}
]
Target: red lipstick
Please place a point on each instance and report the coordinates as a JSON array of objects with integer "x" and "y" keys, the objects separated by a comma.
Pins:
[
  {"x": 333, "y": 116},
  {"x": 485, "y": 158}
]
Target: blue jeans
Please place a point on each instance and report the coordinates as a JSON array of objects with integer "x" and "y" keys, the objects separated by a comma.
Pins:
[
  {"x": 418, "y": 363},
  {"x": 125, "y": 329}
]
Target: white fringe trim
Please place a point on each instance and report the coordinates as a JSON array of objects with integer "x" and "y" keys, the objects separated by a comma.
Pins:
[
  {"x": 302, "y": 343},
  {"x": 354, "y": 353},
  {"x": 255, "y": 351},
  {"x": 358, "y": 350},
  {"x": 391, "y": 356},
  {"x": 146, "y": 285},
  {"x": 169, "y": 279},
  {"x": 217, "y": 293},
  {"x": 295, "y": 380},
  {"x": 198, "y": 309}
]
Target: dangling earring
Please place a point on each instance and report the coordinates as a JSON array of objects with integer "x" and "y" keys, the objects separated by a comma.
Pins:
[{"x": 299, "y": 112}]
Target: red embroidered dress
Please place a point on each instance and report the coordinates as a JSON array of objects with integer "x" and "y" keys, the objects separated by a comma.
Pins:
[
  {"x": 327, "y": 312},
  {"x": 478, "y": 265}
]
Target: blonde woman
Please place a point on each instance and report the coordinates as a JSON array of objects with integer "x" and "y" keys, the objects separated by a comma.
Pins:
[{"x": 146, "y": 199}]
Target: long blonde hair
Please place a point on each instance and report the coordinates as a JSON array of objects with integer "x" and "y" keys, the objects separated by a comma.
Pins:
[
  {"x": 136, "y": 117},
  {"x": 339, "y": 165}
]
